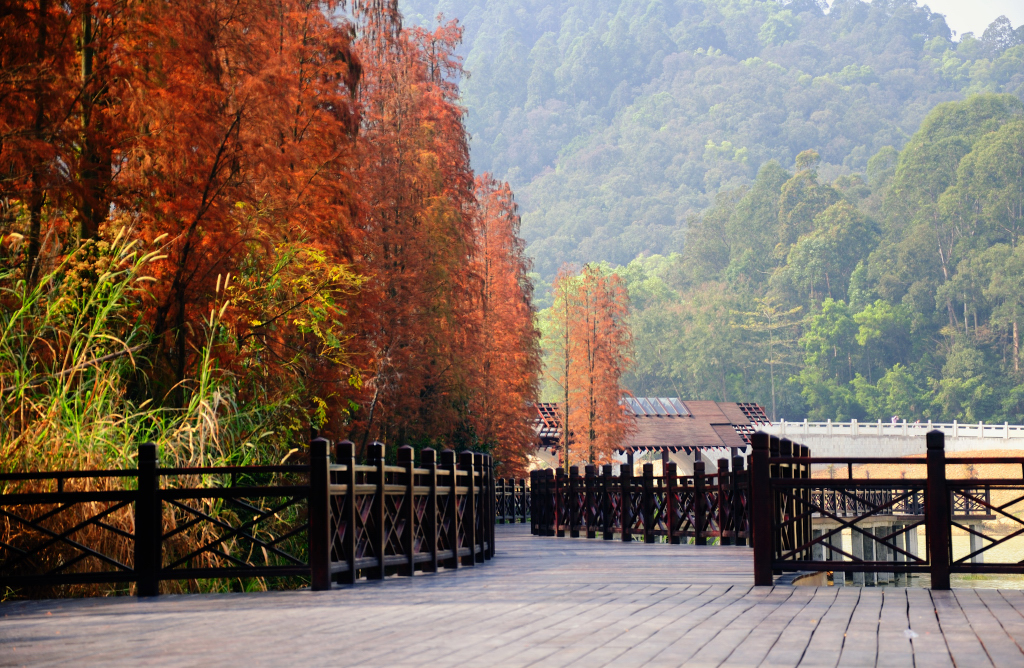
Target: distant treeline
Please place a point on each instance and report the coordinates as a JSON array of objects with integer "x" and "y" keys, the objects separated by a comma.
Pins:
[
  {"x": 618, "y": 120},
  {"x": 899, "y": 291}
]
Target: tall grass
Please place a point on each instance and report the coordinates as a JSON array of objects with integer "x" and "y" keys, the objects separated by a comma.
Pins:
[{"x": 71, "y": 345}]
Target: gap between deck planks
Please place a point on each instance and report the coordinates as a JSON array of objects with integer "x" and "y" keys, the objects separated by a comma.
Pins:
[{"x": 544, "y": 602}]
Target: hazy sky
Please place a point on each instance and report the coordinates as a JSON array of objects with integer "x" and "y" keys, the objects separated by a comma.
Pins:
[{"x": 975, "y": 15}]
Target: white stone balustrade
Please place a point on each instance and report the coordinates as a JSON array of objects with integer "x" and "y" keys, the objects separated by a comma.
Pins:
[{"x": 895, "y": 439}]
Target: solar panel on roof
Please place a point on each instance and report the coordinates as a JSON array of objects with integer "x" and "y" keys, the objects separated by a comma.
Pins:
[
  {"x": 646, "y": 406},
  {"x": 678, "y": 405},
  {"x": 667, "y": 404},
  {"x": 634, "y": 406}
]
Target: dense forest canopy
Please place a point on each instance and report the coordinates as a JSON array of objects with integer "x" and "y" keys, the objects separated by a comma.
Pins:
[
  {"x": 618, "y": 120},
  {"x": 896, "y": 293},
  {"x": 813, "y": 207}
]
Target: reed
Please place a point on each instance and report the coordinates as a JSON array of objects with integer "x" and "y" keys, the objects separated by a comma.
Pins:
[{"x": 71, "y": 344}]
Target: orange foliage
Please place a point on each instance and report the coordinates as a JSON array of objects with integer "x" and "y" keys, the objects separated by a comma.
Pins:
[
  {"x": 321, "y": 163},
  {"x": 590, "y": 341},
  {"x": 505, "y": 373}
]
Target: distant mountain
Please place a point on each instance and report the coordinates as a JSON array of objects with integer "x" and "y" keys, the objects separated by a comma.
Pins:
[{"x": 618, "y": 120}]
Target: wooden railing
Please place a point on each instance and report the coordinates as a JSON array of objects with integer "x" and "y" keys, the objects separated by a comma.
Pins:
[
  {"x": 511, "y": 501},
  {"x": 679, "y": 508},
  {"x": 408, "y": 518},
  {"x": 320, "y": 521},
  {"x": 786, "y": 501}
]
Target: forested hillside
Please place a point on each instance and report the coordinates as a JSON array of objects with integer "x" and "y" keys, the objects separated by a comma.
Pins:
[
  {"x": 900, "y": 292},
  {"x": 619, "y": 120}
]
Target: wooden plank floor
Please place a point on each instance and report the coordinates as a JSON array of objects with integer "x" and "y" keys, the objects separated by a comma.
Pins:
[{"x": 541, "y": 601}]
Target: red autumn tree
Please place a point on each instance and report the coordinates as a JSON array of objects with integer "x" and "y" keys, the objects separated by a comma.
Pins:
[
  {"x": 589, "y": 342},
  {"x": 418, "y": 239},
  {"x": 306, "y": 178},
  {"x": 506, "y": 372}
]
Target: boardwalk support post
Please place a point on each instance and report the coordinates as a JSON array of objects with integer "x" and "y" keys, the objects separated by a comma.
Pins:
[
  {"x": 453, "y": 519},
  {"x": 486, "y": 519},
  {"x": 699, "y": 507},
  {"x": 148, "y": 524},
  {"x": 761, "y": 510},
  {"x": 375, "y": 453},
  {"x": 535, "y": 512},
  {"x": 590, "y": 507},
  {"x": 466, "y": 458},
  {"x": 345, "y": 455},
  {"x": 738, "y": 514},
  {"x": 408, "y": 512},
  {"x": 319, "y": 515},
  {"x": 647, "y": 503},
  {"x": 671, "y": 490},
  {"x": 937, "y": 511},
  {"x": 724, "y": 510},
  {"x": 626, "y": 504},
  {"x": 428, "y": 460},
  {"x": 522, "y": 498},
  {"x": 574, "y": 501},
  {"x": 608, "y": 527}
]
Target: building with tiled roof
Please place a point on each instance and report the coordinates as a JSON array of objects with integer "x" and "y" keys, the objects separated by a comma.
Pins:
[{"x": 671, "y": 426}]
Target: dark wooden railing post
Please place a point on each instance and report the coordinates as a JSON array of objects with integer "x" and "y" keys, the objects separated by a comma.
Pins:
[
  {"x": 761, "y": 510},
  {"x": 626, "y": 504},
  {"x": 345, "y": 455},
  {"x": 405, "y": 460},
  {"x": 647, "y": 503},
  {"x": 560, "y": 505},
  {"x": 739, "y": 517},
  {"x": 488, "y": 465},
  {"x": 552, "y": 498},
  {"x": 786, "y": 504},
  {"x": 534, "y": 496},
  {"x": 500, "y": 495},
  {"x": 671, "y": 489},
  {"x": 590, "y": 500},
  {"x": 448, "y": 464},
  {"x": 936, "y": 511},
  {"x": 319, "y": 515},
  {"x": 523, "y": 499},
  {"x": 574, "y": 501},
  {"x": 808, "y": 523},
  {"x": 724, "y": 508},
  {"x": 699, "y": 505},
  {"x": 543, "y": 503},
  {"x": 428, "y": 460},
  {"x": 375, "y": 455},
  {"x": 608, "y": 520},
  {"x": 148, "y": 524},
  {"x": 469, "y": 510},
  {"x": 480, "y": 466},
  {"x": 777, "y": 504}
]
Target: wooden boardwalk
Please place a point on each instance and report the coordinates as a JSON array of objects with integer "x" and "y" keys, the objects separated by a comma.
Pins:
[{"x": 541, "y": 601}]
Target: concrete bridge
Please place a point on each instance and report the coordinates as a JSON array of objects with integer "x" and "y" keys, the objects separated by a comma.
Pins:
[
  {"x": 540, "y": 601},
  {"x": 895, "y": 439}
]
